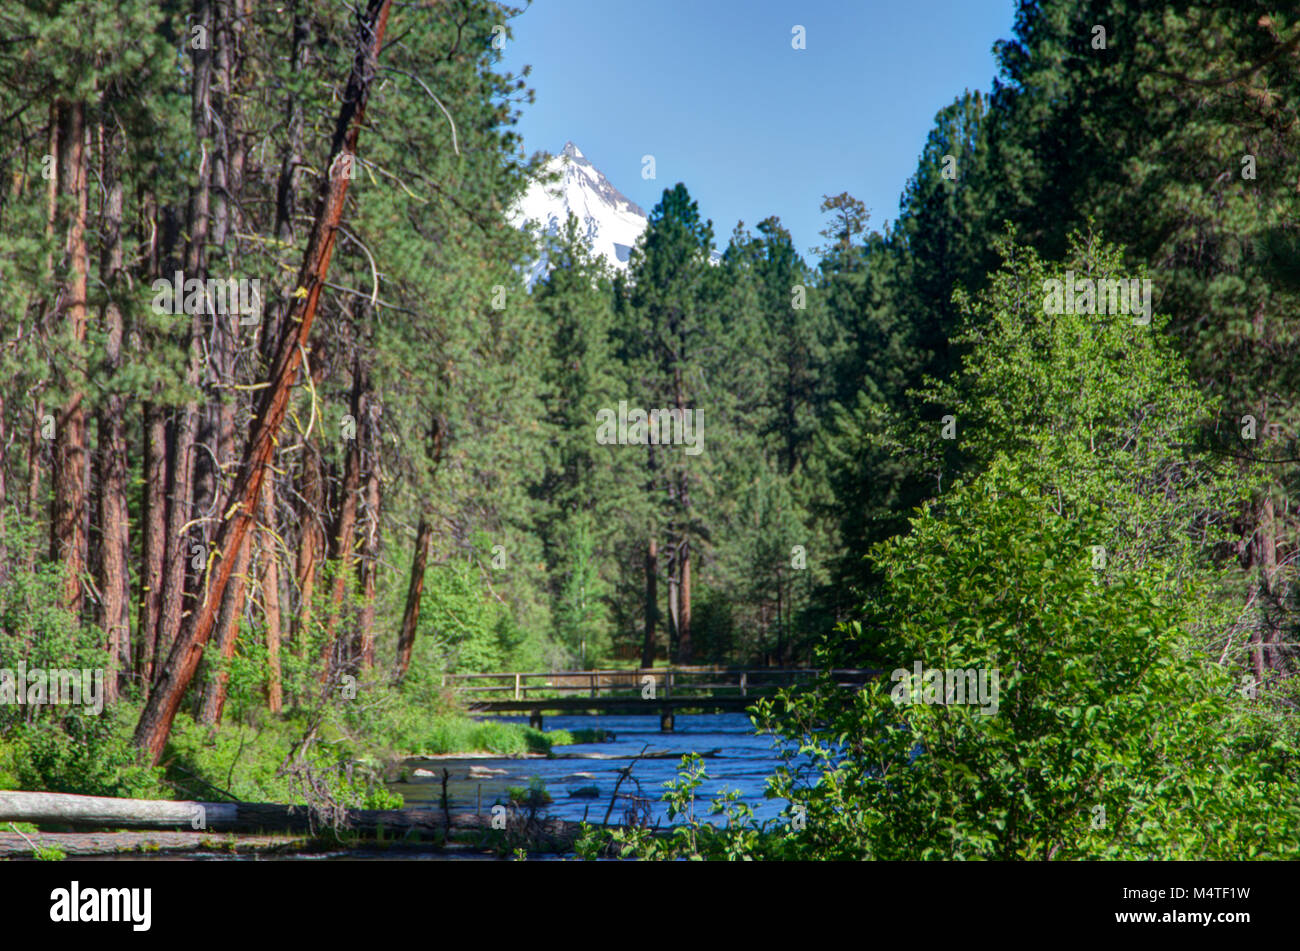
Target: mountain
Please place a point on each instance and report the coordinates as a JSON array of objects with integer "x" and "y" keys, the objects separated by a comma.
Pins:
[{"x": 611, "y": 222}]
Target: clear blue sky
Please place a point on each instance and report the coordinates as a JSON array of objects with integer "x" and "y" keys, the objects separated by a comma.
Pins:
[{"x": 713, "y": 89}]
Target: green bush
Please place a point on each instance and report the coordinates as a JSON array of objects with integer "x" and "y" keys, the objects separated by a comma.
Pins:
[{"x": 1113, "y": 736}]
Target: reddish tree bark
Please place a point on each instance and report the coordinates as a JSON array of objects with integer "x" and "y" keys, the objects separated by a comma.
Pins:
[
  {"x": 111, "y": 458},
  {"x": 651, "y": 602},
  {"x": 153, "y": 542},
  {"x": 226, "y": 633},
  {"x": 346, "y": 526},
  {"x": 69, "y": 516},
  {"x": 311, "y": 542},
  {"x": 411, "y": 615},
  {"x": 180, "y": 549},
  {"x": 419, "y": 561},
  {"x": 271, "y": 597},
  {"x": 369, "y": 565},
  {"x": 160, "y": 711}
]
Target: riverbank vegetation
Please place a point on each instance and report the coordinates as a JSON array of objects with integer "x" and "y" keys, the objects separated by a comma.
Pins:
[{"x": 275, "y": 525}]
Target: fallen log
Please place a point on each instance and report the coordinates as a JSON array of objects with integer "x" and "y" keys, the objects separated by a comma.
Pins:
[
  {"x": 103, "y": 812},
  {"x": 24, "y": 845},
  {"x": 106, "y": 812}
]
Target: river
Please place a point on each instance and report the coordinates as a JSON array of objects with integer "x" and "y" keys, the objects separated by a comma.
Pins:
[{"x": 743, "y": 762}]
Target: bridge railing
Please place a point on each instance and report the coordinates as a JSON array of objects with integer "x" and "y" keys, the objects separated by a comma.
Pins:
[{"x": 668, "y": 682}]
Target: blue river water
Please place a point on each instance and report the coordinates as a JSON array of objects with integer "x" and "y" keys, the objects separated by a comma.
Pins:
[{"x": 736, "y": 759}]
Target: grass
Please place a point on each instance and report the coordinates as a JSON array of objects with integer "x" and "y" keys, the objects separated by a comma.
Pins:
[{"x": 454, "y": 734}]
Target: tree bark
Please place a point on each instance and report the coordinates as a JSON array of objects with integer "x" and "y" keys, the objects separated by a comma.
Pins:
[
  {"x": 346, "y": 526},
  {"x": 69, "y": 516},
  {"x": 369, "y": 566},
  {"x": 651, "y": 602},
  {"x": 271, "y": 597},
  {"x": 411, "y": 615},
  {"x": 159, "y": 713},
  {"x": 153, "y": 543},
  {"x": 684, "y": 609},
  {"x": 111, "y": 458},
  {"x": 226, "y": 634},
  {"x": 185, "y": 428}
]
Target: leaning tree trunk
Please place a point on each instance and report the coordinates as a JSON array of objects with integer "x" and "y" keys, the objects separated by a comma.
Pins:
[
  {"x": 226, "y": 632},
  {"x": 271, "y": 597},
  {"x": 411, "y": 616},
  {"x": 157, "y": 717},
  {"x": 419, "y": 562}
]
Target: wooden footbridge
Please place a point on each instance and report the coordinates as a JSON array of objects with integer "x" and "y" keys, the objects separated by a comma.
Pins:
[{"x": 661, "y": 690}]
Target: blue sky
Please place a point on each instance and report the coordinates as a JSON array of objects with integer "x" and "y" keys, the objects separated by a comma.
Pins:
[{"x": 713, "y": 89}]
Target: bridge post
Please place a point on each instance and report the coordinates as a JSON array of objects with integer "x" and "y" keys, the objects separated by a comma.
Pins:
[
  {"x": 535, "y": 719},
  {"x": 516, "y": 686},
  {"x": 593, "y": 683},
  {"x": 744, "y": 683},
  {"x": 666, "y": 721}
]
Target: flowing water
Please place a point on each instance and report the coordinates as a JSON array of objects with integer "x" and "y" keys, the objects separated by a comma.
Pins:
[
  {"x": 743, "y": 761},
  {"x": 736, "y": 759}
]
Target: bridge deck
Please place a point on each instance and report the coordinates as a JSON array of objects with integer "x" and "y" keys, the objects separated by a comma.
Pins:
[
  {"x": 663, "y": 690},
  {"x": 612, "y": 704}
]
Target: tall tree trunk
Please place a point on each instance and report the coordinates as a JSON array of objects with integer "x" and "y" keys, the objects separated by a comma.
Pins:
[
  {"x": 684, "y": 609},
  {"x": 419, "y": 561},
  {"x": 346, "y": 526},
  {"x": 651, "y": 602},
  {"x": 414, "y": 590},
  {"x": 111, "y": 459},
  {"x": 369, "y": 566},
  {"x": 153, "y": 542},
  {"x": 286, "y": 204},
  {"x": 35, "y": 443},
  {"x": 311, "y": 543},
  {"x": 1272, "y": 656},
  {"x": 271, "y": 597},
  {"x": 682, "y": 552},
  {"x": 69, "y": 517},
  {"x": 160, "y": 711},
  {"x": 185, "y": 428},
  {"x": 226, "y": 633},
  {"x": 35, "y": 449}
]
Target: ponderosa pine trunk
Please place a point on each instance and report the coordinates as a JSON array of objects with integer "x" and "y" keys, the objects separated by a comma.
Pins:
[
  {"x": 111, "y": 456},
  {"x": 345, "y": 530},
  {"x": 68, "y": 524},
  {"x": 414, "y": 591},
  {"x": 271, "y": 597},
  {"x": 160, "y": 711},
  {"x": 180, "y": 550},
  {"x": 651, "y": 602},
  {"x": 369, "y": 562}
]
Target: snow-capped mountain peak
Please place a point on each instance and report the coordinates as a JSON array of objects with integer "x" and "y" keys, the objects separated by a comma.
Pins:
[{"x": 611, "y": 223}]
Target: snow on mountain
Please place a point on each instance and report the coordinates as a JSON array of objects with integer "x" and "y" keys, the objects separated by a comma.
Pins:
[{"x": 610, "y": 222}]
